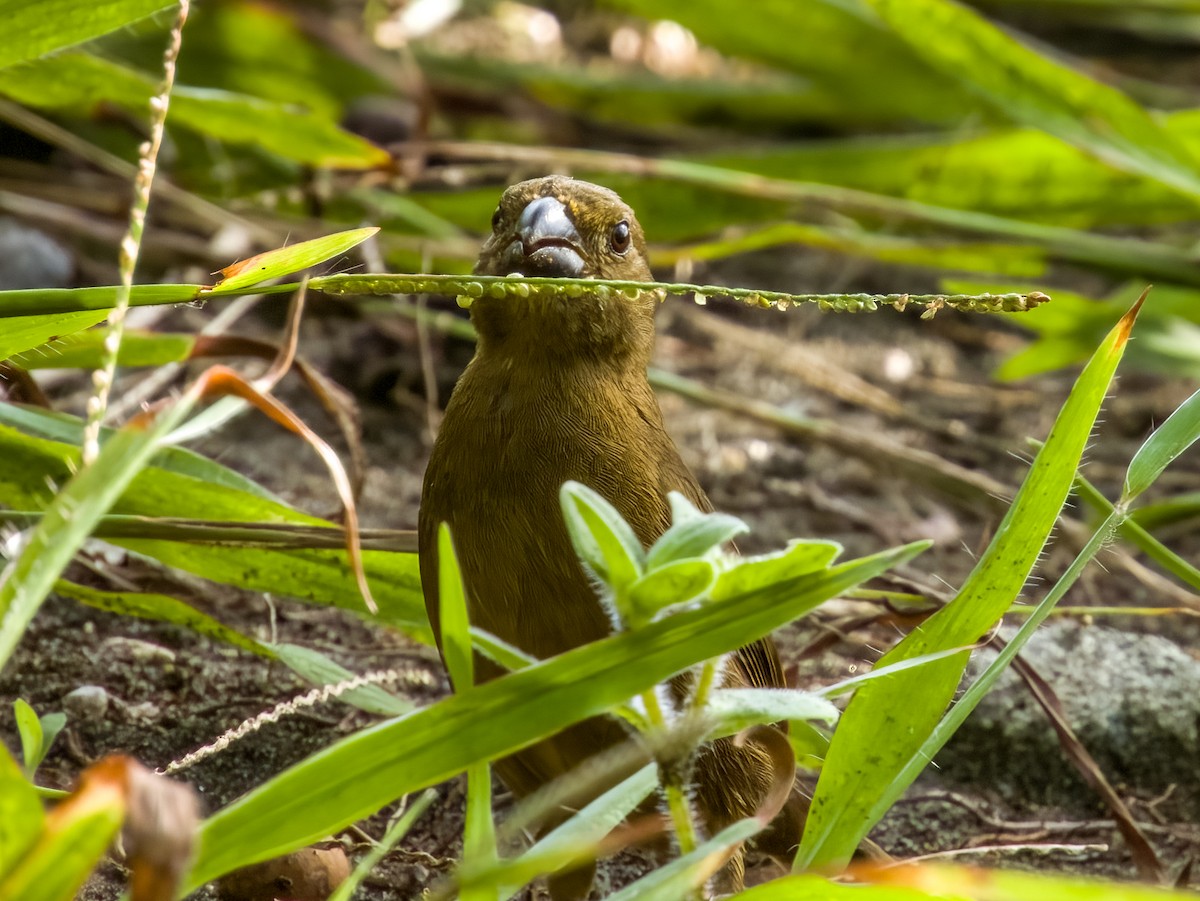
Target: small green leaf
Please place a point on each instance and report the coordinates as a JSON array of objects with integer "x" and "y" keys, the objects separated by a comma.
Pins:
[
  {"x": 603, "y": 540},
  {"x": 286, "y": 260},
  {"x": 667, "y": 586},
  {"x": 52, "y": 724},
  {"x": 797, "y": 559},
  {"x": 30, "y": 729},
  {"x": 1172, "y": 438},
  {"x": 692, "y": 533}
]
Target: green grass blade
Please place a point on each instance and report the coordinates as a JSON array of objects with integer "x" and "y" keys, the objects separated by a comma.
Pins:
[
  {"x": 888, "y": 721},
  {"x": 356, "y": 776},
  {"x": 1172, "y": 438},
  {"x": 1137, "y": 535},
  {"x": 47, "y": 301},
  {"x": 84, "y": 350},
  {"x": 23, "y": 333}
]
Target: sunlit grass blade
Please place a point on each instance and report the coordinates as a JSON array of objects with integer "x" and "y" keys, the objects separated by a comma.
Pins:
[
  {"x": 358, "y": 775},
  {"x": 876, "y": 750},
  {"x": 286, "y": 260}
]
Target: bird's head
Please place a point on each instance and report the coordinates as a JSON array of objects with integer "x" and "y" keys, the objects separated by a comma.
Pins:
[{"x": 560, "y": 227}]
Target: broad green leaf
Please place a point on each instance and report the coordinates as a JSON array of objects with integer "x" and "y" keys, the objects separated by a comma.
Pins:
[
  {"x": 33, "y": 28},
  {"x": 318, "y": 669},
  {"x": 78, "y": 81},
  {"x": 888, "y": 720},
  {"x": 286, "y": 260},
  {"x": 1172, "y": 438},
  {"x": 602, "y": 539},
  {"x": 1035, "y": 90},
  {"x": 28, "y": 466},
  {"x": 359, "y": 774},
  {"x": 692, "y": 534},
  {"x": 1023, "y": 173},
  {"x": 85, "y": 349},
  {"x": 20, "y": 813},
  {"x": 674, "y": 583},
  {"x": 23, "y": 333},
  {"x": 29, "y": 727}
]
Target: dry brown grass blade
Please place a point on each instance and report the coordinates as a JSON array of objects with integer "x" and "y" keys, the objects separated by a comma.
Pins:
[
  {"x": 1144, "y": 857},
  {"x": 18, "y": 386},
  {"x": 334, "y": 399},
  {"x": 222, "y": 381}
]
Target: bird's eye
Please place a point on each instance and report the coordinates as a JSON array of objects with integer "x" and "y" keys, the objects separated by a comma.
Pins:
[
  {"x": 496, "y": 219},
  {"x": 619, "y": 239}
]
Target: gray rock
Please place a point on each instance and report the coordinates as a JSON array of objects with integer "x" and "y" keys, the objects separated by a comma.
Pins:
[
  {"x": 1133, "y": 700},
  {"x": 87, "y": 702},
  {"x": 31, "y": 259}
]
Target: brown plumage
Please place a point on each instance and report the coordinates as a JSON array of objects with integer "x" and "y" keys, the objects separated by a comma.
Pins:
[{"x": 557, "y": 390}]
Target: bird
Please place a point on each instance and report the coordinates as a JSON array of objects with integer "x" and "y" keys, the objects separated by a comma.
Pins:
[{"x": 558, "y": 390}]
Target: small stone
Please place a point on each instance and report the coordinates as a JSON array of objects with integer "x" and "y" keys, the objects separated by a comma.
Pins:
[
  {"x": 138, "y": 651},
  {"x": 86, "y": 703}
]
